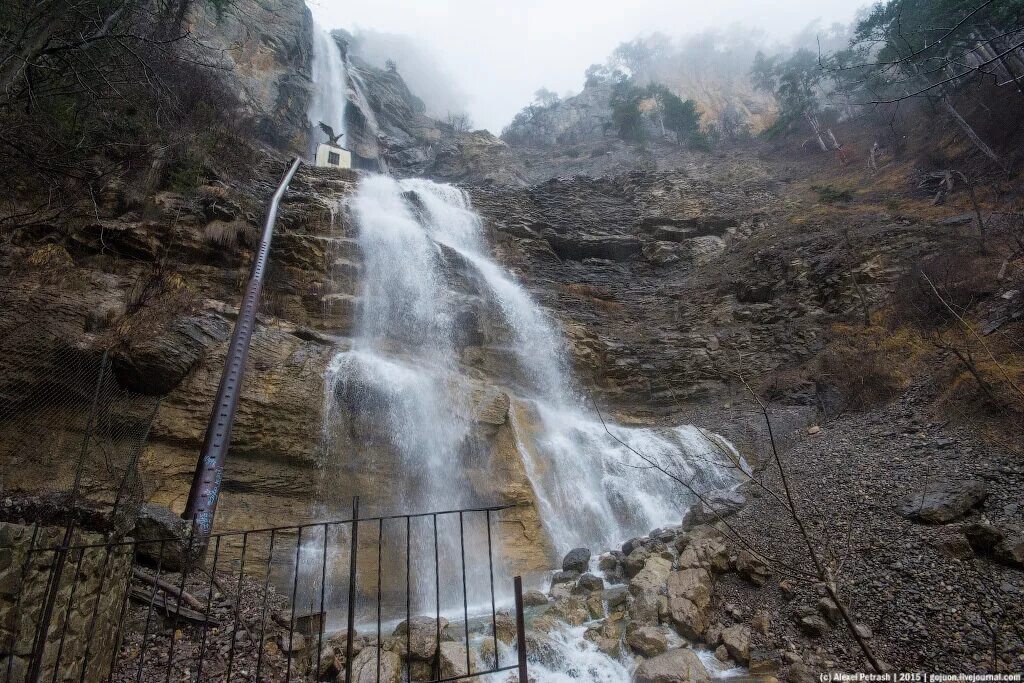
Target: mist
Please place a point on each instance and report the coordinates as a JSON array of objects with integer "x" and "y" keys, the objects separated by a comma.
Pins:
[
  {"x": 490, "y": 57},
  {"x": 438, "y": 89}
]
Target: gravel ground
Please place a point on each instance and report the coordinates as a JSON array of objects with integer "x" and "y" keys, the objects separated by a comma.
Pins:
[
  {"x": 188, "y": 638},
  {"x": 927, "y": 611}
]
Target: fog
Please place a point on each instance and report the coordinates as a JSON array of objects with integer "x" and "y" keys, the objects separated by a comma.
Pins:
[{"x": 489, "y": 57}]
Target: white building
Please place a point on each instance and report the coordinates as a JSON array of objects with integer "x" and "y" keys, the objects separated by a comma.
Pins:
[{"x": 333, "y": 156}]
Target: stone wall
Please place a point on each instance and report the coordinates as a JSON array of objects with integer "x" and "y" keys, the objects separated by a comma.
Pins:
[{"x": 92, "y": 583}]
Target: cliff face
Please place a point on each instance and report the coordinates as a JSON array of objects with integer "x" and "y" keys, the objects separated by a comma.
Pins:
[
  {"x": 263, "y": 51},
  {"x": 585, "y": 117}
]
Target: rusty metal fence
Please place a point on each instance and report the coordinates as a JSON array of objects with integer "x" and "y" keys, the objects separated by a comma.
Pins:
[{"x": 393, "y": 598}]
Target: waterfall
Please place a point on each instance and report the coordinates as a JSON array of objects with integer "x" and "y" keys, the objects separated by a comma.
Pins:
[
  {"x": 329, "y": 97},
  {"x": 427, "y": 276},
  {"x": 401, "y": 401}
]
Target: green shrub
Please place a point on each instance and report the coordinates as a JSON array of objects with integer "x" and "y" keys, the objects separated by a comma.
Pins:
[{"x": 832, "y": 195}]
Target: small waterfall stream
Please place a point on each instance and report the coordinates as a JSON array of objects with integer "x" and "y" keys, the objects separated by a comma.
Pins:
[{"x": 329, "y": 97}]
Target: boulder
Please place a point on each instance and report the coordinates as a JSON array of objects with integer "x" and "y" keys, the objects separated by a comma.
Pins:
[
  {"x": 736, "y": 640},
  {"x": 706, "y": 552},
  {"x": 828, "y": 609},
  {"x": 606, "y": 635},
  {"x": 364, "y": 666},
  {"x": 752, "y": 568},
  {"x": 716, "y": 505},
  {"x": 588, "y": 583},
  {"x": 813, "y": 625},
  {"x": 544, "y": 651},
  {"x": 595, "y": 605},
  {"x": 576, "y": 560},
  {"x": 156, "y": 523},
  {"x": 675, "y": 666},
  {"x": 689, "y": 600},
  {"x": 615, "y": 596},
  {"x": 1010, "y": 550},
  {"x": 534, "y": 598},
  {"x": 607, "y": 563},
  {"x": 1003, "y": 545},
  {"x": 332, "y": 663},
  {"x": 505, "y": 626},
  {"x": 940, "y": 502},
  {"x": 764, "y": 662},
  {"x": 570, "y": 609},
  {"x": 982, "y": 537},
  {"x": 564, "y": 577},
  {"x": 454, "y": 658},
  {"x": 635, "y": 561},
  {"x": 297, "y": 642},
  {"x": 422, "y": 636},
  {"x": 631, "y": 545},
  {"x": 647, "y": 641},
  {"x": 650, "y": 581}
]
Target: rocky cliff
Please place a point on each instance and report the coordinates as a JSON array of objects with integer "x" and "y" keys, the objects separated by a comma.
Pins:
[{"x": 262, "y": 52}]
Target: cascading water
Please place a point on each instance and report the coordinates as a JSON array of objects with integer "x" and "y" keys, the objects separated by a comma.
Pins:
[
  {"x": 329, "y": 97},
  {"x": 426, "y": 277},
  {"x": 425, "y": 262}
]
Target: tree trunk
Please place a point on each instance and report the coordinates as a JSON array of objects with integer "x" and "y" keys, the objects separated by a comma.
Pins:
[
  {"x": 817, "y": 130},
  {"x": 971, "y": 133}
]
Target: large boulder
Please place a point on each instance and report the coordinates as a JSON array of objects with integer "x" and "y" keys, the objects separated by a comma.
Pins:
[
  {"x": 647, "y": 641},
  {"x": 571, "y": 609},
  {"x": 939, "y": 502},
  {"x": 1003, "y": 545},
  {"x": 689, "y": 601},
  {"x": 752, "y": 568},
  {"x": 588, "y": 583},
  {"x": 454, "y": 658},
  {"x": 505, "y": 626},
  {"x": 576, "y": 560},
  {"x": 674, "y": 666},
  {"x": 736, "y": 640},
  {"x": 635, "y": 561},
  {"x": 650, "y": 581},
  {"x": 422, "y": 636},
  {"x": 159, "y": 532},
  {"x": 707, "y": 552},
  {"x": 534, "y": 598},
  {"x": 364, "y": 667}
]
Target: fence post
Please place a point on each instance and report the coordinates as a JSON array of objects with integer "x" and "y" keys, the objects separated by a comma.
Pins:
[
  {"x": 520, "y": 630},
  {"x": 351, "y": 590}
]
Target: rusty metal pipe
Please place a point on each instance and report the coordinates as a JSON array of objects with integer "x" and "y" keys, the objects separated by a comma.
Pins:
[{"x": 206, "y": 483}]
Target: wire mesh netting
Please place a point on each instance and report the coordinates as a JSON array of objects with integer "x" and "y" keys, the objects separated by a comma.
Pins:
[{"x": 69, "y": 433}]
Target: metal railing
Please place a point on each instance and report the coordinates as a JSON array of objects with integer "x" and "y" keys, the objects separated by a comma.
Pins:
[{"x": 380, "y": 589}]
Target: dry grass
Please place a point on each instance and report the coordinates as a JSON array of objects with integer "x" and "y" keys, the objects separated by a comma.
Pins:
[{"x": 871, "y": 364}]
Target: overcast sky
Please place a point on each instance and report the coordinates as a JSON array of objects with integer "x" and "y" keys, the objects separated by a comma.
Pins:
[{"x": 500, "y": 51}]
